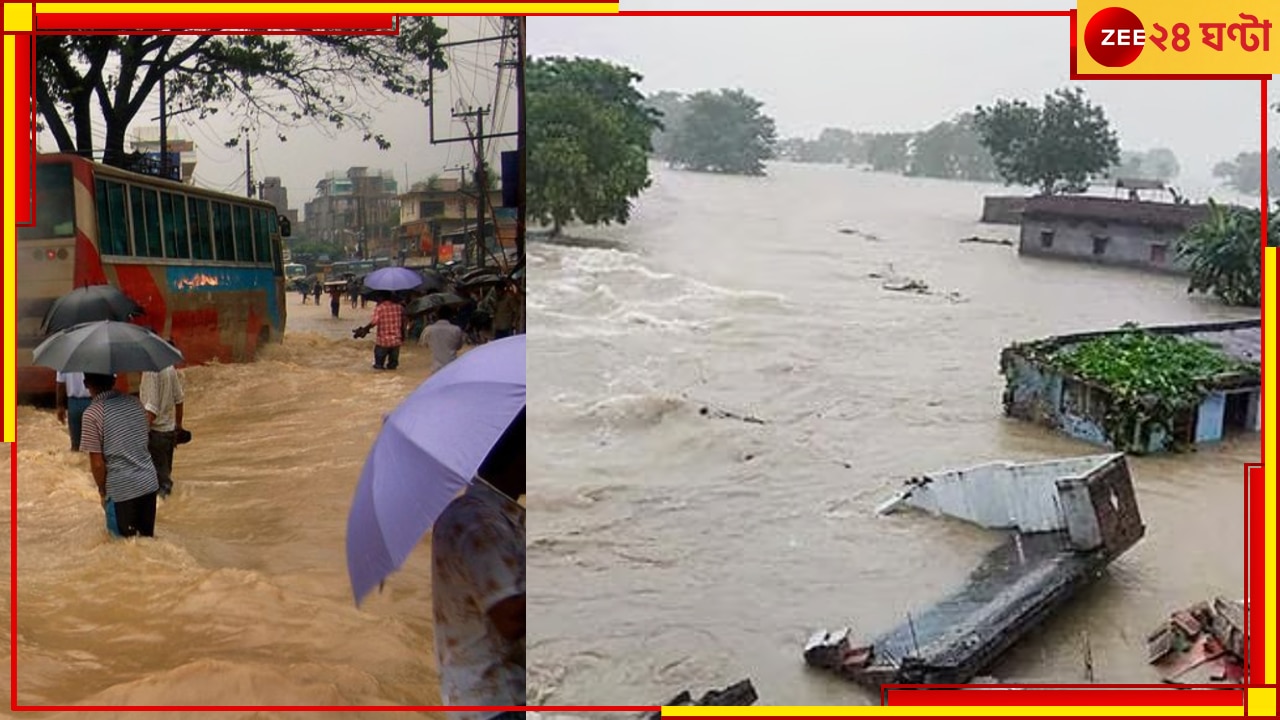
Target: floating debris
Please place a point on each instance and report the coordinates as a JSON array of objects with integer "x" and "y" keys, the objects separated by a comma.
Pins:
[
  {"x": 1202, "y": 643},
  {"x": 739, "y": 694},
  {"x": 987, "y": 241}
]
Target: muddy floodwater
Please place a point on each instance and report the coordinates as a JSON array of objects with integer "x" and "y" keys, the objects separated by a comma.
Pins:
[
  {"x": 672, "y": 549},
  {"x": 243, "y": 596}
]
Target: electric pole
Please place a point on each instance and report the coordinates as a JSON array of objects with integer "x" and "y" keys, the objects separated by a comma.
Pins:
[
  {"x": 164, "y": 135},
  {"x": 520, "y": 148},
  {"x": 479, "y": 177},
  {"x": 248, "y": 169}
]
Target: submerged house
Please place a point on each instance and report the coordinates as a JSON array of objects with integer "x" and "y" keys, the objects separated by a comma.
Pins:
[
  {"x": 1110, "y": 231},
  {"x": 1140, "y": 389}
]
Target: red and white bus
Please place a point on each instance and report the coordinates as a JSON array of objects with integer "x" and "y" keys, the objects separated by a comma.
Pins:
[{"x": 207, "y": 267}]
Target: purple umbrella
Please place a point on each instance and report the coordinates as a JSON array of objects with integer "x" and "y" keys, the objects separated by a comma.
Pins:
[
  {"x": 393, "y": 279},
  {"x": 428, "y": 450}
]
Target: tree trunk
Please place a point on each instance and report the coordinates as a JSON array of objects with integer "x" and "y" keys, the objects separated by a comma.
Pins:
[
  {"x": 555, "y": 230},
  {"x": 113, "y": 146}
]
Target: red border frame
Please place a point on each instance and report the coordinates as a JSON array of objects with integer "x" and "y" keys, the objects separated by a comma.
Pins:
[{"x": 1254, "y": 474}]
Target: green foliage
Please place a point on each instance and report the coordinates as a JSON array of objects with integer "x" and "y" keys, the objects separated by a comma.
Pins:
[
  {"x": 722, "y": 132},
  {"x": 889, "y": 152},
  {"x": 1135, "y": 364},
  {"x": 670, "y": 107},
  {"x": 1150, "y": 379},
  {"x": 1223, "y": 253},
  {"x": 1244, "y": 173},
  {"x": 282, "y": 80},
  {"x": 1057, "y": 148},
  {"x": 952, "y": 150},
  {"x": 589, "y": 133}
]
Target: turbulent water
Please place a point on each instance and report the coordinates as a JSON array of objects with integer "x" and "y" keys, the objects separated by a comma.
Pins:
[
  {"x": 672, "y": 549},
  {"x": 243, "y": 597}
]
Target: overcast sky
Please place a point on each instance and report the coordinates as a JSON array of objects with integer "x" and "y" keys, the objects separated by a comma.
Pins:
[
  {"x": 895, "y": 73},
  {"x": 311, "y": 152}
]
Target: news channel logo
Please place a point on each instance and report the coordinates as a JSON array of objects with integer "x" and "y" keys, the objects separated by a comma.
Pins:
[{"x": 1114, "y": 37}]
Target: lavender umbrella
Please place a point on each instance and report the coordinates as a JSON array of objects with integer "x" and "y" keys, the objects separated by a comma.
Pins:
[
  {"x": 428, "y": 450},
  {"x": 393, "y": 279}
]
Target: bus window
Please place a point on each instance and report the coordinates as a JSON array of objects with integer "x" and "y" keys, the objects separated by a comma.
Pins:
[
  {"x": 146, "y": 222},
  {"x": 261, "y": 240},
  {"x": 201, "y": 229},
  {"x": 222, "y": 232},
  {"x": 244, "y": 237},
  {"x": 174, "y": 212},
  {"x": 55, "y": 204},
  {"x": 113, "y": 223}
]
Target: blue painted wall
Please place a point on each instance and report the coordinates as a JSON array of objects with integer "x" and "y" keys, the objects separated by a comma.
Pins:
[{"x": 1210, "y": 416}]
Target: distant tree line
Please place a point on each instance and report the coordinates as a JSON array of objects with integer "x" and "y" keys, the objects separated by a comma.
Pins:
[
  {"x": 1243, "y": 173},
  {"x": 1059, "y": 147}
]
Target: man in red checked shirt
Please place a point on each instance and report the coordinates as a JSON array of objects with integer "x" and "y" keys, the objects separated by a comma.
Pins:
[{"x": 388, "y": 317}]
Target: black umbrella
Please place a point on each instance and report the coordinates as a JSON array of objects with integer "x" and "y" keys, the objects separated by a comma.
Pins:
[
  {"x": 106, "y": 347},
  {"x": 435, "y": 301},
  {"x": 89, "y": 304}
]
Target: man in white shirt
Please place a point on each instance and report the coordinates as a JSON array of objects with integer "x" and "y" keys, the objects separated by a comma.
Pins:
[
  {"x": 162, "y": 396},
  {"x": 72, "y": 400},
  {"x": 477, "y": 585},
  {"x": 444, "y": 338}
]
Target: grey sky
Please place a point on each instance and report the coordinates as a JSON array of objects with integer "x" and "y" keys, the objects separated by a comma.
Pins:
[
  {"x": 311, "y": 151},
  {"x": 895, "y": 73}
]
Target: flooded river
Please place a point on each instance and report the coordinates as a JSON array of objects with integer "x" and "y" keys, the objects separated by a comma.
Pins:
[
  {"x": 671, "y": 549},
  {"x": 243, "y": 596}
]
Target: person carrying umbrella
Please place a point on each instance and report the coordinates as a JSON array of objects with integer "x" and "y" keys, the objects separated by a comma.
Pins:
[
  {"x": 115, "y": 436},
  {"x": 450, "y": 460},
  {"x": 115, "y": 426},
  {"x": 388, "y": 317},
  {"x": 478, "y": 584}
]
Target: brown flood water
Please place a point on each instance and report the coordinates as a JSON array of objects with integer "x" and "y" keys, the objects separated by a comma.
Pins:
[
  {"x": 672, "y": 551},
  {"x": 243, "y": 597}
]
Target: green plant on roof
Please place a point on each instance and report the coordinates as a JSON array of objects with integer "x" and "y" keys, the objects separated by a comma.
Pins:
[{"x": 1150, "y": 378}]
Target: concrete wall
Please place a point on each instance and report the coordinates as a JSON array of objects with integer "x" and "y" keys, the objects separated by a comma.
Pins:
[
  {"x": 1127, "y": 245},
  {"x": 1036, "y": 395},
  {"x": 1003, "y": 209},
  {"x": 1025, "y": 496}
]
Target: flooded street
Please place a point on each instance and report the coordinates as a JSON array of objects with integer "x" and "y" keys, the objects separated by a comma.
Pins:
[
  {"x": 243, "y": 596},
  {"x": 672, "y": 549}
]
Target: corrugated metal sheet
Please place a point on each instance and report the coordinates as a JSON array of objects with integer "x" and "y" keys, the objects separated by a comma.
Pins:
[{"x": 1002, "y": 494}]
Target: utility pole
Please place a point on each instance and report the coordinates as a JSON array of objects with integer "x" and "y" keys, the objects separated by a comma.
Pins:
[
  {"x": 248, "y": 169},
  {"x": 164, "y": 135},
  {"x": 479, "y": 177},
  {"x": 520, "y": 147},
  {"x": 462, "y": 191}
]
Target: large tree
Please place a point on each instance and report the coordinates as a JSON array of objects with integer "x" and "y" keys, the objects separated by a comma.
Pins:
[
  {"x": 951, "y": 149},
  {"x": 888, "y": 152},
  {"x": 723, "y": 132},
  {"x": 283, "y": 81},
  {"x": 1057, "y": 148},
  {"x": 1223, "y": 253},
  {"x": 589, "y": 135}
]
